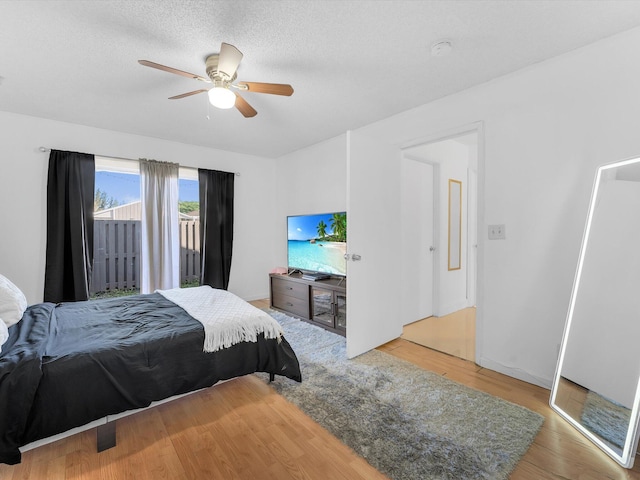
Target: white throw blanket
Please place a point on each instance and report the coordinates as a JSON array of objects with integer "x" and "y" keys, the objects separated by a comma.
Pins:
[{"x": 227, "y": 319}]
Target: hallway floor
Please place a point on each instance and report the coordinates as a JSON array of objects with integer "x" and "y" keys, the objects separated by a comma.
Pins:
[{"x": 454, "y": 334}]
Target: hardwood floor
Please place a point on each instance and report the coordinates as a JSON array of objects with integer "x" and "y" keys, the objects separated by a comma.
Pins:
[
  {"x": 454, "y": 334},
  {"x": 242, "y": 429},
  {"x": 558, "y": 452}
]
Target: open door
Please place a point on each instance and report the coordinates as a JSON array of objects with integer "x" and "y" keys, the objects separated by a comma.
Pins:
[{"x": 373, "y": 243}]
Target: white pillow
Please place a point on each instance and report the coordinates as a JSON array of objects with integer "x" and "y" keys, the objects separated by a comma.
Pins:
[
  {"x": 13, "y": 303},
  {"x": 4, "y": 333}
]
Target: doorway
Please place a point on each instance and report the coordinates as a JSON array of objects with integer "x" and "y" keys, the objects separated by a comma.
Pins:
[
  {"x": 438, "y": 308},
  {"x": 419, "y": 214}
]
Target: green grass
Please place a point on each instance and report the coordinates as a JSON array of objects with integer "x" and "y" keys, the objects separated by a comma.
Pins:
[{"x": 125, "y": 292}]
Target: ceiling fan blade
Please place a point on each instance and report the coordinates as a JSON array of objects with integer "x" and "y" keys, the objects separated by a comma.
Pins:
[
  {"x": 244, "y": 108},
  {"x": 147, "y": 63},
  {"x": 272, "y": 88},
  {"x": 229, "y": 59},
  {"x": 188, "y": 94}
]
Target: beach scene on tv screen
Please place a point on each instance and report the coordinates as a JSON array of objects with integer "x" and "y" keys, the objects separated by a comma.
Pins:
[{"x": 318, "y": 242}]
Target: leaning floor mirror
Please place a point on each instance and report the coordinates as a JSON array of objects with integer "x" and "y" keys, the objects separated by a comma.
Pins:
[{"x": 596, "y": 385}]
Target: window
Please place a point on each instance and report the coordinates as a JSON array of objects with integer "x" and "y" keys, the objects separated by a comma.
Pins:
[
  {"x": 189, "y": 208},
  {"x": 117, "y": 215}
]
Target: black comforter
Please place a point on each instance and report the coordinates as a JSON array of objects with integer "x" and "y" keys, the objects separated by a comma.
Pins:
[{"x": 66, "y": 365}]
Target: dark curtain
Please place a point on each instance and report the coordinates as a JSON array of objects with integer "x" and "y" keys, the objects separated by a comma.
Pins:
[
  {"x": 216, "y": 227},
  {"x": 69, "y": 255}
]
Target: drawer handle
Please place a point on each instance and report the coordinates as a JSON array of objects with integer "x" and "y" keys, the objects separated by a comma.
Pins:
[
  {"x": 289, "y": 304},
  {"x": 289, "y": 288}
]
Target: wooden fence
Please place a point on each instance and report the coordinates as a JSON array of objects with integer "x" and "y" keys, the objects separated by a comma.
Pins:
[
  {"x": 116, "y": 254},
  {"x": 189, "y": 251}
]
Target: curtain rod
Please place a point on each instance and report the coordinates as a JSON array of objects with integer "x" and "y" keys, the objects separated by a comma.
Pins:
[{"x": 47, "y": 150}]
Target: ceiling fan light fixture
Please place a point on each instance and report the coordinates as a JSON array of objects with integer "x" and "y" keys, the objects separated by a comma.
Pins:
[
  {"x": 222, "y": 70},
  {"x": 222, "y": 97}
]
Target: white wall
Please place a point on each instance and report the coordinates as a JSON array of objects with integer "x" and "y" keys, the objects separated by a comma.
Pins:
[
  {"x": 311, "y": 180},
  {"x": 546, "y": 129},
  {"x": 23, "y": 179}
]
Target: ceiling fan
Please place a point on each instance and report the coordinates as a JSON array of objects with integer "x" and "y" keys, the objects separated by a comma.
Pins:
[{"x": 222, "y": 72}]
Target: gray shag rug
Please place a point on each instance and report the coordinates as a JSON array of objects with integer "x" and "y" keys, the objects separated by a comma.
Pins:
[
  {"x": 607, "y": 419},
  {"x": 406, "y": 422}
]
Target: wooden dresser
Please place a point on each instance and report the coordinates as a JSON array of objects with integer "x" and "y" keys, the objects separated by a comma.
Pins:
[{"x": 321, "y": 302}]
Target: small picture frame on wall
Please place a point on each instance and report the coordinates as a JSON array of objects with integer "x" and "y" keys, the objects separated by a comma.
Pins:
[{"x": 455, "y": 225}]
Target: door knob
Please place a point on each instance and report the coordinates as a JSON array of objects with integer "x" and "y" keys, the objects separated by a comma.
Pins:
[{"x": 356, "y": 258}]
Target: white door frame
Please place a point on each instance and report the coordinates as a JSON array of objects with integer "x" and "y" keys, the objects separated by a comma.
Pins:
[
  {"x": 472, "y": 239},
  {"x": 478, "y": 128}
]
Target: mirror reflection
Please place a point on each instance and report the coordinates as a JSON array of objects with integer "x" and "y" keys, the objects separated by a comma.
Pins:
[{"x": 596, "y": 382}]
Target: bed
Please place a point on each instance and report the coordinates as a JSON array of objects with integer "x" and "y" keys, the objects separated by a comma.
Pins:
[{"x": 67, "y": 365}]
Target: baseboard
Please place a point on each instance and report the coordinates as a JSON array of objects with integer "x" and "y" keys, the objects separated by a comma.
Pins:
[
  {"x": 515, "y": 373},
  {"x": 451, "y": 308},
  {"x": 259, "y": 296}
]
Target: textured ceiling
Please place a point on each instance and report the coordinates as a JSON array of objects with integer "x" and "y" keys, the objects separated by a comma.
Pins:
[{"x": 350, "y": 62}]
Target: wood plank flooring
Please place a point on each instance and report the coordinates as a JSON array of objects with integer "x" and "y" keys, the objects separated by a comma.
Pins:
[
  {"x": 558, "y": 452},
  {"x": 242, "y": 429},
  {"x": 454, "y": 334}
]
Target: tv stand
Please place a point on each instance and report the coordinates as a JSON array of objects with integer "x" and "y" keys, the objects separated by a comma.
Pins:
[{"x": 320, "y": 302}]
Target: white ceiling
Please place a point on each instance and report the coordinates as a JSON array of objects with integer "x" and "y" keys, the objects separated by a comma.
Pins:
[{"x": 350, "y": 62}]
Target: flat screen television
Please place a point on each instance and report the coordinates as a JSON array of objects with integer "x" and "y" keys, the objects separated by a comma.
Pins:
[{"x": 317, "y": 243}]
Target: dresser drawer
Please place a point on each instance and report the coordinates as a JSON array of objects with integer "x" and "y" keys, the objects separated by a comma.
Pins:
[
  {"x": 294, "y": 305},
  {"x": 292, "y": 289}
]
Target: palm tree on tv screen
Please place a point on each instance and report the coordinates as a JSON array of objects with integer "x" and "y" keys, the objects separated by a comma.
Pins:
[
  {"x": 339, "y": 226},
  {"x": 322, "y": 229}
]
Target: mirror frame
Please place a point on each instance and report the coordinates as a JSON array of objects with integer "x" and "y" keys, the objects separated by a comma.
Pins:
[{"x": 627, "y": 457}]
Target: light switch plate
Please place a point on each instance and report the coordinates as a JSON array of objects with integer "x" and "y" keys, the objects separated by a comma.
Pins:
[{"x": 496, "y": 232}]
